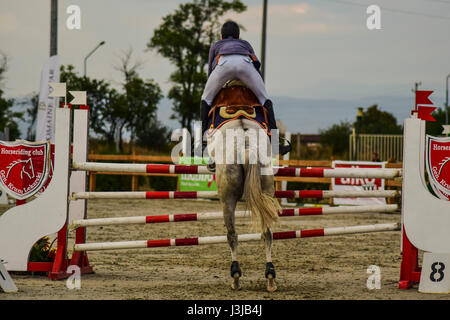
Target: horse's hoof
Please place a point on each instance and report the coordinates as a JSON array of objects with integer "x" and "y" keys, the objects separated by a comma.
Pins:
[
  {"x": 236, "y": 285},
  {"x": 236, "y": 273},
  {"x": 271, "y": 285},
  {"x": 270, "y": 270}
]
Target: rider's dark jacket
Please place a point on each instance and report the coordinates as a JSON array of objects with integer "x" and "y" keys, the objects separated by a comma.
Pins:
[{"x": 230, "y": 46}]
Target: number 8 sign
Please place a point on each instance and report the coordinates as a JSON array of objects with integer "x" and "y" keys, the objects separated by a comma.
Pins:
[{"x": 433, "y": 279}]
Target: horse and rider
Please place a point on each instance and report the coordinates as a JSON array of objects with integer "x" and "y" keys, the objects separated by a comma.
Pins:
[
  {"x": 235, "y": 99},
  {"x": 234, "y": 58}
]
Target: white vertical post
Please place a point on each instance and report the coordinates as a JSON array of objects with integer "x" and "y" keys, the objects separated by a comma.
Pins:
[
  {"x": 284, "y": 201},
  {"x": 186, "y": 148},
  {"x": 77, "y": 208}
]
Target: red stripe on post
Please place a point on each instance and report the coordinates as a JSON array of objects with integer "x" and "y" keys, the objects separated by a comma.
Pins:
[
  {"x": 158, "y": 168},
  {"x": 311, "y": 172},
  {"x": 284, "y": 235},
  {"x": 310, "y": 211},
  {"x": 286, "y": 172},
  {"x": 185, "y": 217},
  {"x": 158, "y": 243},
  {"x": 186, "y": 169},
  {"x": 312, "y": 233},
  {"x": 287, "y": 213},
  {"x": 284, "y": 194},
  {"x": 157, "y": 195},
  {"x": 186, "y": 242},
  {"x": 185, "y": 195},
  {"x": 316, "y": 194},
  {"x": 157, "y": 219}
]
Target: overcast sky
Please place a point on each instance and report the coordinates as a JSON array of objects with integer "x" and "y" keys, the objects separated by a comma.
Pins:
[{"x": 316, "y": 49}]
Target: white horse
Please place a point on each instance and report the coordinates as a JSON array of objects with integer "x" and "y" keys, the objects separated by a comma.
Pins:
[{"x": 244, "y": 170}]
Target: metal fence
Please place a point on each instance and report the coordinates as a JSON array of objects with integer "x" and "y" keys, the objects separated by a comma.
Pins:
[{"x": 365, "y": 147}]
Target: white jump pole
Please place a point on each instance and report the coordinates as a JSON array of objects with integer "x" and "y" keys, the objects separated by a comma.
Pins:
[
  {"x": 185, "y": 217},
  {"x": 241, "y": 238},
  {"x": 283, "y": 172},
  {"x": 298, "y": 194}
]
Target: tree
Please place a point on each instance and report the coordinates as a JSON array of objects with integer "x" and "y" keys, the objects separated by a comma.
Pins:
[
  {"x": 435, "y": 128},
  {"x": 8, "y": 117},
  {"x": 184, "y": 38},
  {"x": 114, "y": 113},
  {"x": 336, "y": 137},
  {"x": 33, "y": 101},
  {"x": 374, "y": 121},
  {"x": 100, "y": 98},
  {"x": 138, "y": 106}
]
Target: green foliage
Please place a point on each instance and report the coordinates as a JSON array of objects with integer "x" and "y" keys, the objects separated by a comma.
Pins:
[
  {"x": 8, "y": 117},
  {"x": 101, "y": 98},
  {"x": 133, "y": 111},
  {"x": 41, "y": 251},
  {"x": 336, "y": 137},
  {"x": 184, "y": 38},
  {"x": 374, "y": 121},
  {"x": 435, "y": 128}
]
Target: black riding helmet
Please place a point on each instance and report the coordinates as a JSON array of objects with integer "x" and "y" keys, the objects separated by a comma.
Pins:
[{"x": 230, "y": 29}]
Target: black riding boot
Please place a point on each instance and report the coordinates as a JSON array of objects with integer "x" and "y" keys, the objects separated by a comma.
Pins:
[
  {"x": 204, "y": 110},
  {"x": 273, "y": 126}
]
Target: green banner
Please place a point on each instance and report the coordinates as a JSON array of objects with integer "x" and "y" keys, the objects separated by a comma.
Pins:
[{"x": 196, "y": 182}]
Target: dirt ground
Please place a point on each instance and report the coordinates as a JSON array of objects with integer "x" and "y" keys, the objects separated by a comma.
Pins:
[{"x": 313, "y": 268}]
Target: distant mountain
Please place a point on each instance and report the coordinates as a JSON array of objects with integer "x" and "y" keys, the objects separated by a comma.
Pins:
[
  {"x": 308, "y": 116},
  {"x": 311, "y": 115}
]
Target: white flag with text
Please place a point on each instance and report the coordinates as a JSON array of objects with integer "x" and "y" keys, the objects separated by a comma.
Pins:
[{"x": 45, "y": 123}]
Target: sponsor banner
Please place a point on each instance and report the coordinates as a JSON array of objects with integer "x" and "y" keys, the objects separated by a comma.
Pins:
[
  {"x": 23, "y": 167},
  {"x": 357, "y": 183},
  {"x": 45, "y": 123},
  {"x": 196, "y": 182},
  {"x": 437, "y": 162}
]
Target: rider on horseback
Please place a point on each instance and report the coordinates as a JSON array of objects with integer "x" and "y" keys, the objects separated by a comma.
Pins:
[{"x": 231, "y": 58}]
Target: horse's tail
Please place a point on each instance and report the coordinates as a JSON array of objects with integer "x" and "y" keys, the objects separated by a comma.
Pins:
[{"x": 263, "y": 206}]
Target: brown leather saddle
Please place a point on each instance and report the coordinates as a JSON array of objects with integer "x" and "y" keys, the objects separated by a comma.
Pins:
[{"x": 235, "y": 99}]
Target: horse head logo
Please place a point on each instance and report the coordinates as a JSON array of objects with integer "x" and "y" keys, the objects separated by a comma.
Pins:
[
  {"x": 27, "y": 168},
  {"x": 442, "y": 164}
]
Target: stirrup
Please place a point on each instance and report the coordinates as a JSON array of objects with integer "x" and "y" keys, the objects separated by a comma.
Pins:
[
  {"x": 211, "y": 166},
  {"x": 284, "y": 149}
]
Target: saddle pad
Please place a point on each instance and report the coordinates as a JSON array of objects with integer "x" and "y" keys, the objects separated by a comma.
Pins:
[
  {"x": 221, "y": 117},
  {"x": 230, "y": 98}
]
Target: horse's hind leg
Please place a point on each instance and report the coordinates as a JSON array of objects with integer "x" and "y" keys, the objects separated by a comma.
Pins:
[
  {"x": 270, "y": 269},
  {"x": 235, "y": 270},
  {"x": 268, "y": 187},
  {"x": 229, "y": 181}
]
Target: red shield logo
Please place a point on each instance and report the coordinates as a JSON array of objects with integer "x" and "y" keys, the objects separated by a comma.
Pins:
[
  {"x": 23, "y": 167},
  {"x": 438, "y": 164}
]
